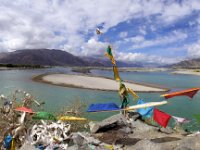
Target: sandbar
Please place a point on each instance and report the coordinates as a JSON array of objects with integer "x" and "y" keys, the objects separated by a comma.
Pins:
[
  {"x": 188, "y": 72},
  {"x": 93, "y": 83}
]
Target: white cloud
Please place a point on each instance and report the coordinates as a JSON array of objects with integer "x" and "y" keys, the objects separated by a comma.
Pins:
[
  {"x": 171, "y": 38},
  {"x": 141, "y": 57},
  {"x": 174, "y": 11},
  {"x": 194, "y": 50},
  {"x": 135, "y": 39},
  {"x": 93, "y": 47},
  {"x": 66, "y": 24},
  {"x": 123, "y": 34},
  {"x": 142, "y": 30}
]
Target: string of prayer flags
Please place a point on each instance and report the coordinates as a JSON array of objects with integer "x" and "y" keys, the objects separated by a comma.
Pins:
[{"x": 161, "y": 117}]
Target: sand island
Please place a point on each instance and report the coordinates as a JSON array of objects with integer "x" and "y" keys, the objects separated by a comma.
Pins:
[{"x": 94, "y": 82}]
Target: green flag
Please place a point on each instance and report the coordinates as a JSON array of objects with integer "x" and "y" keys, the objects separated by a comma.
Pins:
[{"x": 43, "y": 116}]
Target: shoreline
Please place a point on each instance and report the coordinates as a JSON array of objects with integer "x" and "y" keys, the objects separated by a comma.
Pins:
[
  {"x": 87, "y": 82},
  {"x": 187, "y": 72}
]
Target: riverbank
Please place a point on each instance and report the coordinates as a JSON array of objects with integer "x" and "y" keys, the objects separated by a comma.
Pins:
[
  {"x": 189, "y": 72},
  {"x": 94, "y": 83},
  {"x": 123, "y": 69}
]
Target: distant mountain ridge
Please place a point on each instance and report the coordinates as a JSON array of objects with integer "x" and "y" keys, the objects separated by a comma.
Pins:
[
  {"x": 53, "y": 57},
  {"x": 187, "y": 64},
  {"x": 42, "y": 57}
]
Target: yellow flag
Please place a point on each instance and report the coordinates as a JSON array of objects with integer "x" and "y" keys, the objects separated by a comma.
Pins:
[
  {"x": 133, "y": 94},
  {"x": 110, "y": 147},
  {"x": 111, "y": 58},
  {"x": 12, "y": 144},
  {"x": 116, "y": 74}
]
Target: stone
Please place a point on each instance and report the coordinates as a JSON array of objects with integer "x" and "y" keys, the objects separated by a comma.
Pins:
[
  {"x": 109, "y": 123},
  {"x": 189, "y": 143},
  {"x": 167, "y": 130},
  {"x": 27, "y": 146}
]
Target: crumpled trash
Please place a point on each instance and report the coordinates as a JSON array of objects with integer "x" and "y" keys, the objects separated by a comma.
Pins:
[{"x": 50, "y": 136}]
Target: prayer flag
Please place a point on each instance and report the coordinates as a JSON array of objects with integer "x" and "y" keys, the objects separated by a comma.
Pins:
[
  {"x": 44, "y": 116},
  {"x": 133, "y": 93},
  {"x": 180, "y": 120},
  {"x": 24, "y": 109},
  {"x": 116, "y": 74},
  {"x": 188, "y": 92},
  {"x": 122, "y": 90},
  {"x": 110, "y": 55},
  {"x": 71, "y": 118},
  {"x": 161, "y": 117},
  {"x": 146, "y": 112},
  {"x": 12, "y": 144},
  {"x": 102, "y": 107}
]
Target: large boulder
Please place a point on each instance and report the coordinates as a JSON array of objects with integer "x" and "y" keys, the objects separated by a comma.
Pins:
[{"x": 107, "y": 124}]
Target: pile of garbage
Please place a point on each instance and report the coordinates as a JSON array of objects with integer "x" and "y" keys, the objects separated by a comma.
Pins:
[{"x": 50, "y": 136}]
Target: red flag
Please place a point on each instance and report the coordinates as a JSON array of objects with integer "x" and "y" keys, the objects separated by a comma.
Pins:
[
  {"x": 161, "y": 117},
  {"x": 188, "y": 92},
  {"x": 24, "y": 109}
]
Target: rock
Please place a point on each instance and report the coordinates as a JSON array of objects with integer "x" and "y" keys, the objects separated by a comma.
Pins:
[
  {"x": 126, "y": 130},
  {"x": 84, "y": 138},
  {"x": 109, "y": 123},
  {"x": 27, "y": 146},
  {"x": 145, "y": 145},
  {"x": 167, "y": 130},
  {"x": 140, "y": 126},
  {"x": 78, "y": 139},
  {"x": 134, "y": 115},
  {"x": 189, "y": 143}
]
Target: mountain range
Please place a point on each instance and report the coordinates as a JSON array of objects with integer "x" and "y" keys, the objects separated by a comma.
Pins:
[
  {"x": 53, "y": 57},
  {"x": 187, "y": 64}
]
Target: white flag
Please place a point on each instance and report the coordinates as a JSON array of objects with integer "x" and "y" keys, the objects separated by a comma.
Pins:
[{"x": 180, "y": 120}]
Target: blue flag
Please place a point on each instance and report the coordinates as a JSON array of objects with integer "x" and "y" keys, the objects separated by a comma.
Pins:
[
  {"x": 102, "y": 107},
  {"x": 145, "y": 112}
]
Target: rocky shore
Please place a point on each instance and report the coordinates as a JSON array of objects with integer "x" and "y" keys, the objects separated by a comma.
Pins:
[{"x": 121, "y": 133}]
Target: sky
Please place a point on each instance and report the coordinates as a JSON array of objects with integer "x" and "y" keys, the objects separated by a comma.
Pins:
[{"x": 154, "y": 31}]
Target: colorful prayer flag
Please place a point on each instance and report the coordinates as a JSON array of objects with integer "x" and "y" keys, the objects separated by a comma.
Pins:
[
  {"x": 188, "y": 92},
  {"x": 122, "y": 90},
  {"x": 24, "y": 109},
  {"x": 133, "y": 93},
  {"x": 44, "y": 116},
  {"x": 110, "y": 55},
  {"x": 180, "y": 120},
  {"x": 71, "y": 118},
  {"x": 116, "y": 74},
  {"x": 146, "y": 112},
  {"x": 161, "y": 117},
  {"x": 12, "y": 144},
  {"x": 102, "y": 107}
]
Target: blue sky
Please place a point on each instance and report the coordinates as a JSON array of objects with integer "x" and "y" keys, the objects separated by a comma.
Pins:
[{"x": 161, "y": 31}]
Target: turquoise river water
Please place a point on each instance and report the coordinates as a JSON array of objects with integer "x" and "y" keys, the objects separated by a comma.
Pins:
[{"x": 57, "y": 97}]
